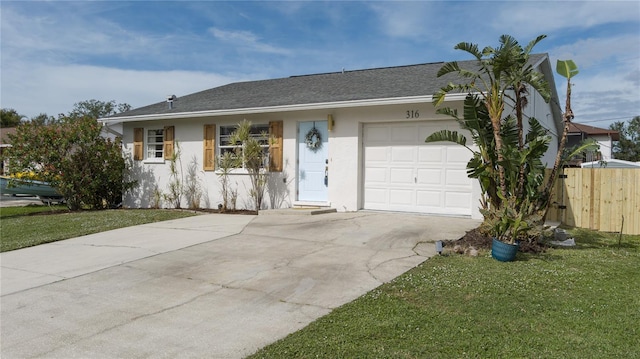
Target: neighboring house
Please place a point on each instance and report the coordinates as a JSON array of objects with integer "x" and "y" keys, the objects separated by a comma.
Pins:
[
  {"x": 4, "y": 144},
  {"x": 579, "y": 132},
  {"x": 611, "y": 163},
  {"x": 371, "y": 152}
]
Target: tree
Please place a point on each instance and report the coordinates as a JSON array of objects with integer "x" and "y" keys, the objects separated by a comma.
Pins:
[
  {"x": 176, "y": 179},
  {"x": 10, "y": 117},
  {"x": 87, "y": 169},
  {"x": 251, "y": 154},
  {"x": 43, "y": 119},
  {"x": 511, "y": 214},
  {"x": 507, "y": 163},
  {"x": 226, "y": 164},
  {"x": 96, "y": 109},
  {"x": 502, "y": 71},
  {"x": 628, "y": 147}
]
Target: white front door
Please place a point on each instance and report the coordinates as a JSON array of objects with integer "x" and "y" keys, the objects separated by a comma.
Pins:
[{"x": 313, "y": 150}]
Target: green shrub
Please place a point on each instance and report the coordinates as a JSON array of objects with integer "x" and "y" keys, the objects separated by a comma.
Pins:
[{"x": 85, "y": 168}]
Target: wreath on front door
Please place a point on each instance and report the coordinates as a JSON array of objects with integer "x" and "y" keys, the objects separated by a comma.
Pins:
[{"x": 313, "y": 139}]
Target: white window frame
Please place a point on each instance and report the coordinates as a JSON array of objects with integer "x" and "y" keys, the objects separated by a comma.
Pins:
[
  {"x": 225, "y": 131},
  {"x": 147, "y": 145}
]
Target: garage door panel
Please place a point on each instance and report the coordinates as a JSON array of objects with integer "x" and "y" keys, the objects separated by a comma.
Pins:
[
  {"x": 377, "y": 175},
  {"x": 429, "y": 198},
  {"x": 455, "y": 177},
  {"x": 373, "y": 134},
  {"x": 374, "y": 154},
  {"x": 425, "y": 130},
  {"x": 403, "y": 173},
  {"x": 401, "y": 176},
  {"x": 431, "y": 154},
  {"x": 431, "y": 177},
  {"x": 400, "y": 197},
  {"x": 403, "y": 134},
  {"x": 376, "y": 197},
  {"x": 401, "y": 154},
  {"x": 459, "y": 200},
  {"x": 458, "y": 155}
]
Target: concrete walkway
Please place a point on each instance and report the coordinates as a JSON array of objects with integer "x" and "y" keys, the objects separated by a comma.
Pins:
[{"x": 214, "y": 286}]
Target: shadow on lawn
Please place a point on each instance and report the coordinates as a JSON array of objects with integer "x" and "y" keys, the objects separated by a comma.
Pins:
[
  {"x": 588, "y": 239},
  {"x": 544, "y": 256},
  {"x": 32, "y": 210}
]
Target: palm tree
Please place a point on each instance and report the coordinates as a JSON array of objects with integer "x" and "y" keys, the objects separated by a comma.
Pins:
[
  {"x": 482, "y": 164},
  {"x": 505, "y": 158},
  {"x": 484, "y": 161},
  {"x": 500, "y": 71}
]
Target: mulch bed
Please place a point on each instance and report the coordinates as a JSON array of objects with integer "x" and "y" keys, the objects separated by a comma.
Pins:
[
  {"x": 479, "y": 241},
  {"x": 229, "y": 211},
  {"x": 204, "y": 210}
]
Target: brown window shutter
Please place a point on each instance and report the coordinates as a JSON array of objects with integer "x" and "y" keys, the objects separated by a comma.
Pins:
[
  {"x": 169, "y": 137},
  {"x": 138, "y": 144},
  {"x": 209, "y": 147},
  {"x": 275, "y": 146}
]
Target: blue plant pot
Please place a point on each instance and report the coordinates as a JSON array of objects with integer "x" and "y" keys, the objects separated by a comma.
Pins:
[{"x": 504, "y": 252}]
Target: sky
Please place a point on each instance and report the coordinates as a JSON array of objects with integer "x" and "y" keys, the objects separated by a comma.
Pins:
[{"x": 54, "y": 54}]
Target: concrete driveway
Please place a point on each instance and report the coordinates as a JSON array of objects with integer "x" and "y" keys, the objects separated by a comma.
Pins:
[{"x": 210, "y": 286}]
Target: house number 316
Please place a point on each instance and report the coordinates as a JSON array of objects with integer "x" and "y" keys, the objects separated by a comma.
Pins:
[{"x": 413, "y": 114}]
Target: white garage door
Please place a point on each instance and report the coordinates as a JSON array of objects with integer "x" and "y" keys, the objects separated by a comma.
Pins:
[{"x": 402, "y": 173}]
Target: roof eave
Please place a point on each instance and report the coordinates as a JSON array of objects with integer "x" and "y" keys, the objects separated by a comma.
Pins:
[{"x": 283, "y": 108}]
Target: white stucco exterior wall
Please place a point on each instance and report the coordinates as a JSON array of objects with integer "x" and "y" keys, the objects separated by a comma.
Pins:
[
  {"x": 345, "y": 191},
  {"x": 345, "y": 153}
]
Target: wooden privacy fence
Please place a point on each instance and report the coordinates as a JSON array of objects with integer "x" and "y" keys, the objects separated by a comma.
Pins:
[{"x": 598, "y": 199}]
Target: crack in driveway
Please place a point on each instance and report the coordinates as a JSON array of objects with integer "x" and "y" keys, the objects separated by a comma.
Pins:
[{"x": 277, "y": 274}]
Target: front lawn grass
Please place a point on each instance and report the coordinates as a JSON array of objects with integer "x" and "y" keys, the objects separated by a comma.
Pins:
[
  {"x": 6, "y": 212},
  {"x": 581, "y": 302},
  {"x": 22, "y": 227}
]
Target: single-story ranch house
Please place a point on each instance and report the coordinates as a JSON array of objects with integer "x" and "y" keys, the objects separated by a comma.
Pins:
[{"x": 347, "y": 140}]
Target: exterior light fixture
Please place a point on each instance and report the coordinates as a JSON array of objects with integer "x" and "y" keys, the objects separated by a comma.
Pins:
[{"x": 330, "y": 122}]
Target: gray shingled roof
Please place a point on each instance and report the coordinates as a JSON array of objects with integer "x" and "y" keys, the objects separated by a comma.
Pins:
[{"x": 379, "y": 83}]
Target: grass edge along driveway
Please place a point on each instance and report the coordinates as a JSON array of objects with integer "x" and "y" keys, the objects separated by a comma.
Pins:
[
  {"x": 579, "y": 302},
  {"x": 33, "y": 225}
]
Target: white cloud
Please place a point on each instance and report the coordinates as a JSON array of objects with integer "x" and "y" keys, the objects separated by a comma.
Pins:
[
  {"x": 602, "y": 98},
  {"x": 607, "y": 86},
  {"x": 615, "y": 51},
  {"x": 55, "y": 89},
  {"x": 247, "y": 39},
  {"x": 235, "y": 36},
  {"x": 532, "y": 18},
  {"x": 404, "y": 19},
  {"x": 65, "y": 37}
]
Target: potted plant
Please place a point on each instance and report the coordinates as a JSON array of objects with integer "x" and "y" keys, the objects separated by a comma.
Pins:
[{"x": 506, "y": 225}]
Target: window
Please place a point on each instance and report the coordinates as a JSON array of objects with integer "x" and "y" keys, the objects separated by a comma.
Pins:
[
  {"x": 153, "y": 144},
  {"x": 258, "y": 131},
  {"x": 155, "y": 141}
]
